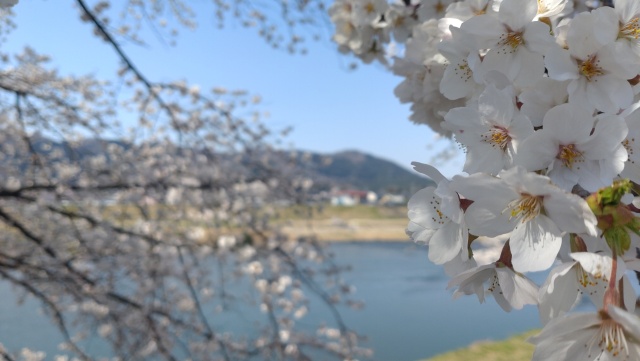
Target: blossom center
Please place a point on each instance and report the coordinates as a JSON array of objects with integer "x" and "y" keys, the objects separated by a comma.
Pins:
[
  {"x": 628, "y": 144},
  {"x": 369, "y": 8},
  {"x": 347, "y": 28},
  {"x": 480, "y": 11},
  {"x": 569, "y": 155},
  {"x": 494, "y": 284},
  {"x": 590, "y": 67},
  {"x": 498, "y": 137},
  {"x": 439, "y": 7},
  {"x": 512, "y": 39},
  {"x": 630, "y": 30},
  {"x": 542, "y": 7},
  {"x": 609, "y": 338},
  {"x": 587, "y": 280},
  {"x": 525, "y": 208},
  {"x": 462, "y": 70}
]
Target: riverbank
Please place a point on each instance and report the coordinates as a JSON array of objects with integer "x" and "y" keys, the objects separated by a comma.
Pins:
[
  {"x": 515, "y": 348},
  {"x": 340, "y": 229},
  {"x": 338, "y": 224}
]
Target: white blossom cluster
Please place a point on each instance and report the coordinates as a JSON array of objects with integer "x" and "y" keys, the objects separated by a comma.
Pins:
[
  {"x": 139, "y": 210},
  {"x": 543, "y": 97},
  {"x": 5, "y": 4}
]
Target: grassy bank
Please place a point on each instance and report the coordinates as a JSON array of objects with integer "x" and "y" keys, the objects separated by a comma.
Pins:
[
  {"x": 334, "y": 223},
  {"x": 515, "y": 348},
  {"x": 326, "y": 222}
]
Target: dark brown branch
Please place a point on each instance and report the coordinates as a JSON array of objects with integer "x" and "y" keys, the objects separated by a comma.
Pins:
[
  {"x": 60, "y": 321},
  {"x": 125, "y": 59}
]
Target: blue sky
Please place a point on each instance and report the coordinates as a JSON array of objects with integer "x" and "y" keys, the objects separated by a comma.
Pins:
[{"x": 329, "y": 107}]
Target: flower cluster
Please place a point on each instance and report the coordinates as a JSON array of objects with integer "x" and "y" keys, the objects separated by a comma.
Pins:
[
  {"x": 543, "y": 97},
  {"x": 138, "y": 211}
]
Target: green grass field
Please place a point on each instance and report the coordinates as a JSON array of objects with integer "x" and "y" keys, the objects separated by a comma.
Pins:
[{"x": 515, "y": 348}]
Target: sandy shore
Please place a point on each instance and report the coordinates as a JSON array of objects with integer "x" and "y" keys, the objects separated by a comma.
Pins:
[{"x": 339, "y": 229}]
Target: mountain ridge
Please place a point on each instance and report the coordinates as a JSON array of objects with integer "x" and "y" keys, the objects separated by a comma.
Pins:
[
  {"x": 346, "y": 169},
  {"x": 357, "y": 169}
]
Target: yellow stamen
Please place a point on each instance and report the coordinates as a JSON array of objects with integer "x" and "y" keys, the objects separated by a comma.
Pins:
[
  {"x": 610, "y": 338},
  {"x": 439, "y": 7},
  {"x": 480, "y": 11},
  {"x": 525, "y": 208},
  {"x": 369, "y": 8},
  {"x": 512, "y": 39},
  {"x": 587, "y": 280},
  {"x": 628, "y": 144},
  {"x": 542, "y": 7},
  {"x": 590, "y": 68},
  {"x": 463, "y": 71},
  {"x": 630, "y": 30},
  {"x": 569, "y": 155},
  {"x": 497, "y": 137}
]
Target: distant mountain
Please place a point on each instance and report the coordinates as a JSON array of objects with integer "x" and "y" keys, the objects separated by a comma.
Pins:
[
  {"x": 355, "y": 169},
  {"x": 347, "y": 170}
]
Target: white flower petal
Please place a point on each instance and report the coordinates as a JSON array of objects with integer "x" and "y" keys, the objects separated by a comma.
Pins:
[
  {"x": 598, "y": 265},
  {"x": 419, "y": 234},
  {"x": 428, "y": 170},
  {"x": 609, "y": 132},
  {"x": 630, "y": 296},
  {"x": 629, "y": 321},
  {"x": 446, "y": 243},
  {"x": 536, "y": 37},
  {"x": 610, "y": 93},
  {"x": 517, "y": 13},
  {"x": 535, "y": 244},
  {"x": 560, "y": 65},
  {"x": 559, "y": 293},
  {"x": 570, "y": 213},
  {"x": 536, "y": 152},
  {"x": 449, "y": 202},
  {"x": 568, "y": 124},
  {"x": 517, "y": 289},
  {"x": 424, "y": 209},
  {"x": 485, "y": 29}
]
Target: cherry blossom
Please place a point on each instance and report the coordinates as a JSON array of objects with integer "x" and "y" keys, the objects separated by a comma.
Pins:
[
  {"x": 516, "y": 44},
  {"x": 458, "y": 80},
  {"x": 435, "y": 218},
  {"x": 597, "y": 79},
  {"x": 511, "y": 290},
  {"x": 587, "y": 275},
  {"x": 632, "y": 143},
  {"x": 622, "y": 24},
  {"x": 538, "y": 99},
  {"x": 613, "y": 334},
  {"x": 7, "y": 3},
  {"x": 542, "y": 96},
  {"x": 571, "y": 152},
  {"x": 491, "y": 131},
  {"x": 535, "y": 212}
]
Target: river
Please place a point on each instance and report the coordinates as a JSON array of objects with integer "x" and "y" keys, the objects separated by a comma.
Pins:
[{"x": 408, "y": 313}]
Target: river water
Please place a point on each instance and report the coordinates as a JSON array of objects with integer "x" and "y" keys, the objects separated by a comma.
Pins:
[{"x": 408, "y": 314}]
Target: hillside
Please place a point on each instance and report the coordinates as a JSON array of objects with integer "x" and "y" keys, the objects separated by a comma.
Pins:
[
  {"x": 355, "y": 169},
  {"x": 347, "y": 170}
]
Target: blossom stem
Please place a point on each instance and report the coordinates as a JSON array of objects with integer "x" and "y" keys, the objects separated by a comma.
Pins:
[{"x": 611, "y": 295}]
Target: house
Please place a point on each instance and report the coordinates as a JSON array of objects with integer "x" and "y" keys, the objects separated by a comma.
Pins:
[
  {"x": 393, "y": 200},
  {"x": 351, "y": 197}
]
